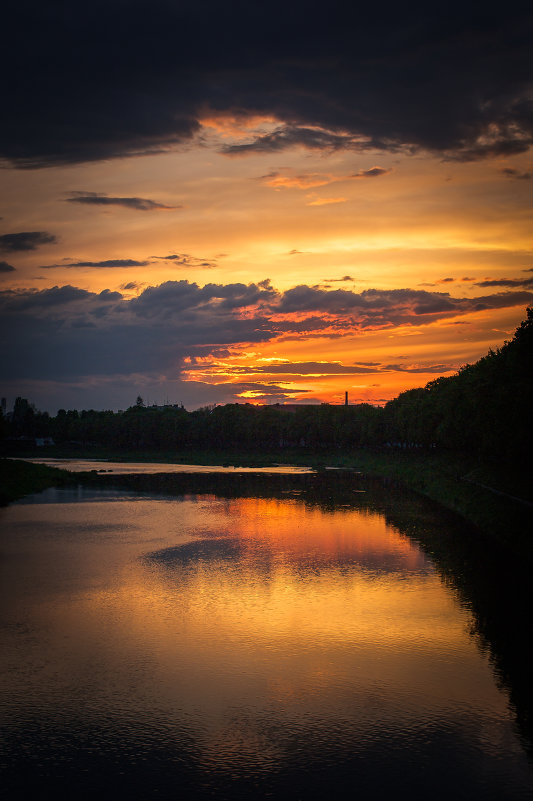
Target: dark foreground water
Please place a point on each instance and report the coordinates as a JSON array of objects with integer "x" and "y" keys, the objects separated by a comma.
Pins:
[{"x": 205, "y": 646}]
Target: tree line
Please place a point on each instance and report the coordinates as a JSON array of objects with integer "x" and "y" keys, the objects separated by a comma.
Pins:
[{"x": 485, "y": 408}]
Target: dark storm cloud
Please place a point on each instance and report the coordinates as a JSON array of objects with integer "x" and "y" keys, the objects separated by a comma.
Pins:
[
  {"x": 306, "y": 298},
  {"x": 57, "y": 336},
  {"x": 106, "y": 263},
  {"x": 99, "y": 199},
  {"x": 107, "y": 294},
  {"x": 174, "y": 297},
  {"x": 96, "y": 80},
  {"x": 5, "y": 267},
  {"x": 25, "y": 240},
  {"x": 32, "y": 300}
]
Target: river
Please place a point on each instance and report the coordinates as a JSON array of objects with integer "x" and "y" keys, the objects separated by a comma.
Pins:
[{"x": 282, "y": 644}]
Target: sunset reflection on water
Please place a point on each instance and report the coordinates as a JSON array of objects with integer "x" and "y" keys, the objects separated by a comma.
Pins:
[{"x": 260, "y": 633}]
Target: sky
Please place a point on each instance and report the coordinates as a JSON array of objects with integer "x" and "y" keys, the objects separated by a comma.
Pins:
[{"x": 270, "y": 203}]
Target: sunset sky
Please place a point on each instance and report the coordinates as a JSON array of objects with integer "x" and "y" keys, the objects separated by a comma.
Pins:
[{"x": 210, "y": 202}]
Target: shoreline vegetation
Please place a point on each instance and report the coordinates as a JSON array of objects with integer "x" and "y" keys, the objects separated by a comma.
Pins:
[{"x": 497, "y": 502}]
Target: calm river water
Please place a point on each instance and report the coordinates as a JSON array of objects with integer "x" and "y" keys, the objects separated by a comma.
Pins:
[{"x": 203, "y": 646}]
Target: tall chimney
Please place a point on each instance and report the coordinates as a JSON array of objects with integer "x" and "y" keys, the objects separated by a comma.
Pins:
[{"x": 346, "y": 398}]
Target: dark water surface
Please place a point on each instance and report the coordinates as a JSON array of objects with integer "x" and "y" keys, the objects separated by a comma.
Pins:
[{"x": 277, "y": 645}]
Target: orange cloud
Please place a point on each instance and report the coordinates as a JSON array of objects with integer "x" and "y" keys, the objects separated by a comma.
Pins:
[
  {"x": 286, "y": 178},
  {"x": 325, "y": 201},
  {"x": 236, "y": 125}
]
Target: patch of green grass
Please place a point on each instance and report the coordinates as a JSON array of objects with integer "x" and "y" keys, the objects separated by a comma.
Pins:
[
  {"x": 454, "y": 481},
  {"x": 19, "y": 478}
]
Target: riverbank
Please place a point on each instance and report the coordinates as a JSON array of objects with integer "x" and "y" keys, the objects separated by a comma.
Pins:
[
  {"x": 497, "y": 501},
  {"x": 18, "y": 479}
]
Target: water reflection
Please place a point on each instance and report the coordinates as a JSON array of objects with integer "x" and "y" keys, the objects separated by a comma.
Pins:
[
  {"x": 147, "y": 468},
  {"x": 243, "y": 647}
]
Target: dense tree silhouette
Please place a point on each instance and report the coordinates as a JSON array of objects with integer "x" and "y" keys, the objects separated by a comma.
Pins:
[{"x": 484, "y": 408}]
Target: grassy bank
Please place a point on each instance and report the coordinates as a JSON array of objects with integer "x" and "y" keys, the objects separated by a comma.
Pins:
[
  {"x": 22, "y": 478},
  {"x": 496, "y": 501}
]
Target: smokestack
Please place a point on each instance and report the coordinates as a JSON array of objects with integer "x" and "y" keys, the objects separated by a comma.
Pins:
[{"x": 346, "y": 399}]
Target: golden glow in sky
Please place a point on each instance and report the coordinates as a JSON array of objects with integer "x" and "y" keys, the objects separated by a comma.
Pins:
[
  {"x": 254, "y": 259},
  {"x": 337, "y": 223}
]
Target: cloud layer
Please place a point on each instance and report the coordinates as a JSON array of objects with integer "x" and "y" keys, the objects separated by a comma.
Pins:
[
  {"x": 99, "y": 80},
  {"x": 65, "y": 332},
  {"x": 101, "y": 199},
  {"x": 104, "y": 264},
  {"x": 25, "y": 240}
]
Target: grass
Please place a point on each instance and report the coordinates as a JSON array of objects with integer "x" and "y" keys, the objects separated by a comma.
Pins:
[{"x": 18, "y": 479}]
